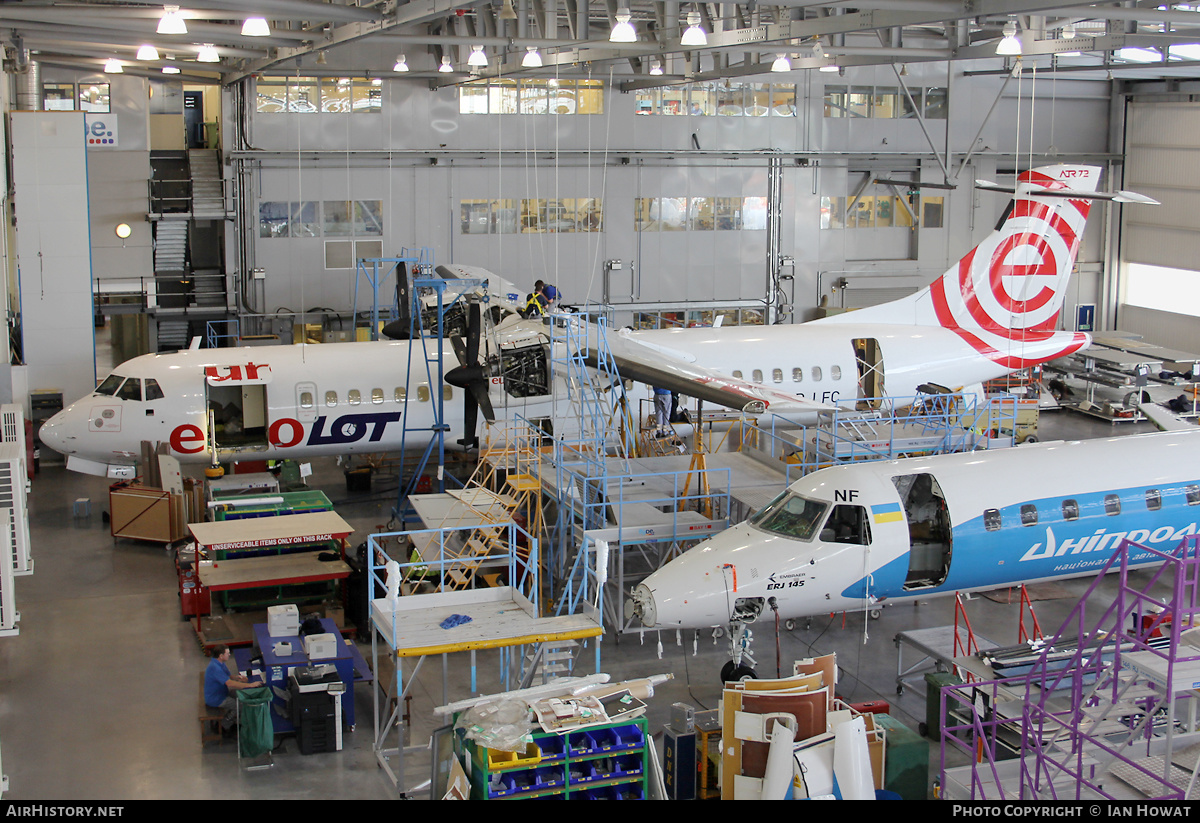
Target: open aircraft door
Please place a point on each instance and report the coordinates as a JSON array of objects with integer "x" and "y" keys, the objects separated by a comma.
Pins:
[
  {"x": 929, "y": 533},
  {"x": 236, "y": 399},
  {"x": 869, "y": 360}
]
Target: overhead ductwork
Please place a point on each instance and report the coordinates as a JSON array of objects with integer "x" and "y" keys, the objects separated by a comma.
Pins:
[{"x": 29, "y": 82}]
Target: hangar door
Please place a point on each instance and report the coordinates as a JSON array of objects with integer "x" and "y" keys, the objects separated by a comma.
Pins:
[
  {"x": 1162, "y": 147},
  {"x": 1162, "y": 141}
]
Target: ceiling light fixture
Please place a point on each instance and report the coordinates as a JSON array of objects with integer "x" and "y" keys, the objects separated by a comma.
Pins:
[
  {"x": 656, "y": 68},
  {"x": 401, "y": 64},
  {"x": 113, "y": 66},
  {"x": 172, "y": 21},
  {"x": 170, "y": 70},
  {"x": 532, "y": 58},
  {"x": 208, "y": 54},
  {"x": 256, "y": 27},
  {"x": 694, "y": 36},
  {"x": 1068, "y": 31},
  {"x": 830, "y": 67},
  {"x": 477, "y": 58},
  {"x": 321, "y": 58},
  {"x": 147, "y": 52},
  {"x": 1009, "y": 45},
  {"x": 506, "y": 11},
  {"x": 445, "y": 68},
  {"x": 623, "y": 31},
  {"x": 782, "y": 63}
]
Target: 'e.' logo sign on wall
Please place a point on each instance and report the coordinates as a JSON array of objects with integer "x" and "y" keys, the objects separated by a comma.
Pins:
[{"x": 100, "y": 130}]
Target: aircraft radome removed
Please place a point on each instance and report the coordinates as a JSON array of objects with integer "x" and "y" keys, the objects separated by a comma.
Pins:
[
  {"x": 992, "y": 313},
  {"x": 863, "y": 535}
]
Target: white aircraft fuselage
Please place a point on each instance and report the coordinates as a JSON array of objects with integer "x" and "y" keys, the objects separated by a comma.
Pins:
[
  {"x": 853, "y": 537},
  {"x": 993, "y": 312}
]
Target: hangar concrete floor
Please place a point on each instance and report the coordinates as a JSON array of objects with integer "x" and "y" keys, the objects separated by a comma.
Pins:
[{"x": 98, "y": 695}]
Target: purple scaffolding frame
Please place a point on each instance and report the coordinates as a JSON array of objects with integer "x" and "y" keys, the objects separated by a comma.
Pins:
[{"x": 1061, "y": 753}]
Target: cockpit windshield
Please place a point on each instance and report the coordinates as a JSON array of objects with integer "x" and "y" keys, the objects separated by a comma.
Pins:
[
  {"x": 131, "y": 389},
  {"x": 790, "y": 515},
  {"x": 110, "y": 384}
]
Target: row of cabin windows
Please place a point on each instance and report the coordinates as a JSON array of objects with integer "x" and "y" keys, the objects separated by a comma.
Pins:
[
  {"x": 816, "y": 374},
  {"x": 1070, "y": 507},
  {"x": 354, "y": 397}
]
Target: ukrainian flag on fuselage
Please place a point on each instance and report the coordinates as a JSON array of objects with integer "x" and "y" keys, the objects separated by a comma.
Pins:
[{"x": 886, "y": 513}]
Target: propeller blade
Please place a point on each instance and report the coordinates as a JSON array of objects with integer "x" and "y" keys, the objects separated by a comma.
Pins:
[
  {"x": 480, "y": 391},
  {"x": 460, "y": 351},
  {"x": 471, "y": 376}
]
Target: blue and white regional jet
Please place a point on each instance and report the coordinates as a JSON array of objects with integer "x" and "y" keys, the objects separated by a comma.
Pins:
[{"x": 857, "y": 537}]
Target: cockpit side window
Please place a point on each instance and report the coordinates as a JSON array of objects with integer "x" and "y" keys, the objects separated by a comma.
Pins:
[
  {"x": 790, "y": 515},
  {"x": 847, "y": 524},
  {"x": 153, "y": 391},
  {"x": 108, "y": 387},
  {"x": 131, "y": 389}
]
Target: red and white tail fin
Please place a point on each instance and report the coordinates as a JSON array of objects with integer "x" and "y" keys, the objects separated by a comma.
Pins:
[{"x": 1007, "y": 292}]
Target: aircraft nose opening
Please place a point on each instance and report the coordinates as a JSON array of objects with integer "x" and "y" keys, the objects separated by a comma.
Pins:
[{"x": 641, "y": 606}]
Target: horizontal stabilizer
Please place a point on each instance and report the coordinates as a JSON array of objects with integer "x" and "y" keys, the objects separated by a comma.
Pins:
[{"x": 1116, "y": 196}]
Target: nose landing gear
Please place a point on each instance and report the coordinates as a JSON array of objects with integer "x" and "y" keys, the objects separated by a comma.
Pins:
[{"x": 745, "y": 610}]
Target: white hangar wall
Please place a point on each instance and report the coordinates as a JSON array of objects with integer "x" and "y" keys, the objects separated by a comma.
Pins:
[{"x": 619, "y": 157}]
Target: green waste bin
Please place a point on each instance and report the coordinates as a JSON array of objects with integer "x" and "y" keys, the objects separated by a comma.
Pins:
[
  {"x": 934, "y": 681},
  {"x": 255, "y": 734}
]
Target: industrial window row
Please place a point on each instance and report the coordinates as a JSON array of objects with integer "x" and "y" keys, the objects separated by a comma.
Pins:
[
  {"x": 720, "y": 99},
  {"x": 534, "y": 215},
  {"x": 881, "y": 211},
  {"x": 1152, "y": 499},
  {"x": 700, "y": 214},
  {"x": 531, "y": 96},
  {"x": 91, "y": 97},
  {"x": 885, "y": 102},
  {"x": 321, "y": 218},
  {"x": 310, "y": 95}
]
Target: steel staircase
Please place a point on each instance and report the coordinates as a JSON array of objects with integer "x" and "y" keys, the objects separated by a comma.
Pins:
[
  {"x": 208, "y": 199},
  {"x": 170, "y": 247}
]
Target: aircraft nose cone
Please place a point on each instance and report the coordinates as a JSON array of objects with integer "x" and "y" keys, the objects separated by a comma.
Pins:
[{"x": 58, "y": 434}]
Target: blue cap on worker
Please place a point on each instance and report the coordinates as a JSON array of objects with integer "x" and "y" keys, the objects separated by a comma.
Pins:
[{"x": 550, "y": 292}]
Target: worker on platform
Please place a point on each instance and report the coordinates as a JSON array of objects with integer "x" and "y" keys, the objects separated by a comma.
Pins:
[
  {"x": 662, "y": 410},
  {"x": 537, "y": 289},
  {"x": 541, "y": 302},
  {"x": 220, "y": 683}
]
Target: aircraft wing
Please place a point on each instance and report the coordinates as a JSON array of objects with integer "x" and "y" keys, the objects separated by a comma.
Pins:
[{"x": 656, "y": 366}]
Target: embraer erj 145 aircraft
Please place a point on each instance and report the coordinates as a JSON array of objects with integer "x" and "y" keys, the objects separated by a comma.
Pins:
[
  {"x": 992, "y": 313},
  {"x": 858, "y": 536}
]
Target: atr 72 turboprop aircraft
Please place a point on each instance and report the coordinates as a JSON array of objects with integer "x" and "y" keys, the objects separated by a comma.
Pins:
[
  {"x": 859, "y": 536},
  {"x": 992, "y": 313}
]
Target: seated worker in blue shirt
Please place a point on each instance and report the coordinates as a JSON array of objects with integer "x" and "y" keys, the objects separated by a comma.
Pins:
[
  {"x": 219, "y": 684},
  {"x": 541, "y": 301}
]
